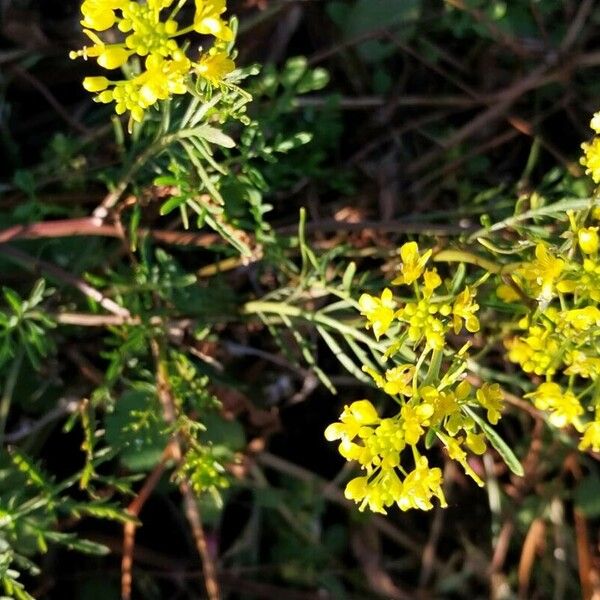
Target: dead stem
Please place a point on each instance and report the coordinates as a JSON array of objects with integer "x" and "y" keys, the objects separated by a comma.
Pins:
[{"x": 191, "y": 509}]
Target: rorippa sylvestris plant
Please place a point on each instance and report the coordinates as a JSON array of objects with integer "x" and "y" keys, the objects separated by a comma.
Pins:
[
  {"x": 159, "y": 65},
  {"x": 426, "y": 382},
  {"x": 559, "y": 339},
  {"x": 557, "y": 287}
]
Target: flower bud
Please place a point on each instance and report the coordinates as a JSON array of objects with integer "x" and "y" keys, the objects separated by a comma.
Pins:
[
  {"x": 113, "y": 58},
  {"x": 95, "y": 84},
  {"x": 588, "y": 240},
  {"x": 364, "y": 412}
]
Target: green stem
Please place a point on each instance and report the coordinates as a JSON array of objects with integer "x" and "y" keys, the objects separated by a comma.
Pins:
[
  {"x": 434, "y": 367},
  {"x": 465, "y": 256},
  {"x": 9, "y": 388},
  {"x": 259, "y": 306}
]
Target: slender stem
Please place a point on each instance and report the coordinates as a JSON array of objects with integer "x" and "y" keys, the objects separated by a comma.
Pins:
[
  {"x": 191, "y": 508},
  {"x": 434, "y": 367},
  {"x": 9, "y": 388},
  {"x": 259, "y": 306},
  {"x": 465, "y": 256}
]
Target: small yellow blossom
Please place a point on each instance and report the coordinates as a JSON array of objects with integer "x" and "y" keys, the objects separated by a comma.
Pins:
[
  {"x": 208, "y": 19},
  {"x": 100, "y": 14},
  {"x": 378, "y": 311},
  {"x": 455, "y": 452},
  {"x": 507, "y": 293},
  {"x": 414, "y": 418},
  {"x": 543, "y": 273},
  {"x": 564, "y": 407},
  {"x": 582, "y": 365},
  {"x": 588, "y": 239},
  {"x": 595, "y": 122},
  {"x": 214, "y": 66},
  {"x": 399, "y": 380},
  {"x": 591, "y": 437},
  {"x": 464, "y": 309},
  {"x": 490, "y": 397},
  {"x": 420, "y": 486},
  {"x": 582, "y": 318},
  {"x": 412, "y": 265},
  {"x": 591, "y": 158},
  {"x": 431, "y": 281},
  {"x": 355, "y": 416},
  {"x": 476, "y": 442}
]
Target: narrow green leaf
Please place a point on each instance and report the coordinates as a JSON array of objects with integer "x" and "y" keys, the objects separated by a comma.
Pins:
[
  {"x": 508, "y": 456},
  {"x": 215, "y": 136}
]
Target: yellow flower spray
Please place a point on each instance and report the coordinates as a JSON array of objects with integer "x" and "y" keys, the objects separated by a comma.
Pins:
[
  {"x": 427, "y": 384},
  {"x": 151, "y": 37}
]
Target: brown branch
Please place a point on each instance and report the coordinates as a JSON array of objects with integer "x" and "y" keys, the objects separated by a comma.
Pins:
[
  {"x": 191, "y": 509},
  {"x": 129, "y": 528},
  {"x": 35, "y": 264},
  {"x": 92, "y": 226}
]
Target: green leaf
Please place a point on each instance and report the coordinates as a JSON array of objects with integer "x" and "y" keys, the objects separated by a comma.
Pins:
[
  {"x": 508, "y": 456},
  {"x": 349, "y": 276},
  {"x": 342, "y": 356},
  {"x": 73, "y": 543},
  {"x": 104, "y": 511},
  {"x": 215, "y": 136},
  {"x": 293, "y": 71}
]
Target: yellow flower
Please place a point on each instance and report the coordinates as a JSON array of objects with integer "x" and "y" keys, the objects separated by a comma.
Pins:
[
  {"x": 445, "y": 403},
  {"x": 583, "y": 365},
  {"x": 591, "y": 437},
  {"x": 355, "y": 416},
  {"x": 582, "y": 319},
  {"x": 431, "y": 281},
  {"x": 214, "y": 66},
  {"x": 507, "y": 293},
  {"x": 464, "y": 309},
  {"x": 476, "y": 442},
  {"x": 208, "y": 19},
  {"x": 595, "y": 122},
  {"x": 564, "y": 407},
  {"x": 399, "y": 380},
  {"x": 543, "y": 273},
  {"x": 414, "y": 418},
  {"x": 490, "y": 398},
  {"x": 378, "y": 311},
  {"x": 420, "y": 486},
  {"x": 422, "y": 321},
  {"x": 100, "y": 14},
  {"x": 591, "y": 158},
  {"x": 455, "y": 452},
  {"x": 538, "y": 352},
  {"x": 357, "y": 489},
  {"x": 412, "y": 265},
  {"x": 108, "y": 57},
  {"x": 378, "y": 493},
  {"x": 95, "y": 84},
  {"x": 588, "y": 239}
]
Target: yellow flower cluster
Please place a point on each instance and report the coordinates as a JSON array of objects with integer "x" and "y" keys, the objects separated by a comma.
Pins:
[
  {"x": 591, "y": 151},
  {"x": 433, "y": 398},
  {"x": 152, "y": 37},
  {"x": 560, "y": 338}
]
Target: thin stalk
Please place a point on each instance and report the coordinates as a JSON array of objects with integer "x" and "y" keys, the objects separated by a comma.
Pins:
[
  {"x": 465, "y": 256},
  {"x": 277, "y": 308}
]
